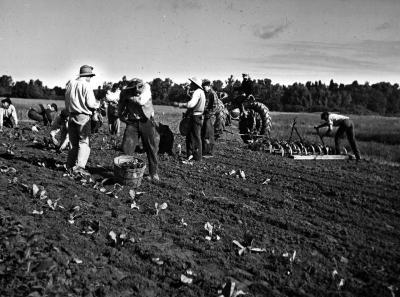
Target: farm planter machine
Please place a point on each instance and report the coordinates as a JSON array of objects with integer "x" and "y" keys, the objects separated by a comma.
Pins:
[
  {"x": 255, "y": 127},
  {"x": 298, "y": 150}
]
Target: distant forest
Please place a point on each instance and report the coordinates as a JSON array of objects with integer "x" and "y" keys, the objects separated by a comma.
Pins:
[{"x": 381, "y": 98}]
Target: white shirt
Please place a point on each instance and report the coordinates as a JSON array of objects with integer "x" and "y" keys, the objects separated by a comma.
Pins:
[
  {"x": 113, "y": 97},
  {"x": 79, "y": 97},
  {"x": 335, "y": 120},
  {"x": 144, "y": 96},
  {"x": 197, "y": 102},
  {"x": 7, "y": 113}
]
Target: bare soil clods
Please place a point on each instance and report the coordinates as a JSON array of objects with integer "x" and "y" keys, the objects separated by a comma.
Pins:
[{"x": 329, "y": 228}]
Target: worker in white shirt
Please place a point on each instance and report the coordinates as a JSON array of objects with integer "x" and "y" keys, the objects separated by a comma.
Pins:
[
  {"x": 111, "y": 99},
  {"x": 345, "y": 125},
  {"x": 8, "y": 114},
  {"x": 135, "y": 108},
  {"x": 80, "y": 103},
  {"x": 196, "y": 109}
]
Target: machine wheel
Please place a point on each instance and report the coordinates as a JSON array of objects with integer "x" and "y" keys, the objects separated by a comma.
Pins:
[{"x": 255, "y": 122}]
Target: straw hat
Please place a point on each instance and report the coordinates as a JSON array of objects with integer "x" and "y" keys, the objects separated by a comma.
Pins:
[
  {"x": 196, "y": 81},
  {"x": 86, "y": 70}
]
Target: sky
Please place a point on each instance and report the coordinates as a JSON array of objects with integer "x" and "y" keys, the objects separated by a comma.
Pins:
[{"x": 286, "y": 41}]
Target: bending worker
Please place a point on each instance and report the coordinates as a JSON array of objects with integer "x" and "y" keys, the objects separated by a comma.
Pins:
[
  {"x": 135, "y": 108},
  {"x": 345, "y": 125}
]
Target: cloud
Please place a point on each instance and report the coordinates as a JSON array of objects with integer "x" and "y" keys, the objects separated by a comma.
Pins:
[
  {"x": 167, "y": 5},
  {"x": 185, "y": 4},
  {"x": 384, "y": 26},
  {"x": 367, "y": 55},
  {"x": 270, "y": 31}
]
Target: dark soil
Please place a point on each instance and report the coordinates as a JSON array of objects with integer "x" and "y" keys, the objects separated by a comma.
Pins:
[{"x": 329, "y": 228}]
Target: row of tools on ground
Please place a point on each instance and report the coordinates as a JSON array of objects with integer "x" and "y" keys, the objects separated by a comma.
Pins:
[{"x": 294, "y": 148}]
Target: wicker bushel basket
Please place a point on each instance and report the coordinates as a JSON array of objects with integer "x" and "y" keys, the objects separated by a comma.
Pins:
[{"x": 129, "y": 170}]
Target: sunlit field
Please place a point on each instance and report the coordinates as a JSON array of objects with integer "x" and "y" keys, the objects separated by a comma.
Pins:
[{"x": 378, "y": 137}]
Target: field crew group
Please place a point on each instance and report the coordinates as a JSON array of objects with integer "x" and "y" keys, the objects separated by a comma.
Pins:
[{"x": 132, "y": 104}]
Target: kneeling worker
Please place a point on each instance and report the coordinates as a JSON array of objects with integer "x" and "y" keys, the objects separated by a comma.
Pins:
[
  {"x": 8, "y": 114},
  {"x": 345, "y": 125},
  {"x": 60, "y": 126},
  {"x": 135, "y": 108}
]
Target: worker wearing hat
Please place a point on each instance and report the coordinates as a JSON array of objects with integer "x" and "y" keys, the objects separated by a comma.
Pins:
[
  {"x": 210, "y": 109},
  {"x": 195, "y": 110},
  {"x": 246, "y": 88},
  {"x": 8, "y": 114},
  {"x": 135, "y": 108},
  {"x": 80, "y": 103}
]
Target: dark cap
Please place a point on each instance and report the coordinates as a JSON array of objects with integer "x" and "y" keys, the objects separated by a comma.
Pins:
[
  {"x": 6, "y": 100},
  {"x": 324, "y": 114},
  {"x": 206, "y": 82},
  {"x": 54, "y": 106}
]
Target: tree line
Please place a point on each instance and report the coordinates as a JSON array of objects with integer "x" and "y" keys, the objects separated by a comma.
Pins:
[{"x": 380, "y": 98}]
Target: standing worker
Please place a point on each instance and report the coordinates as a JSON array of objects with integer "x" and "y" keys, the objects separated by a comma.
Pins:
[
  {"x": 80, "y": 103},
  {"x": 345, "y": 125},
  {"x": 210, "y": 109},
  {"x": 112, "y": 98},
  {"x": 135, "y": 108},
  {"x": 195, "y": 109},
  {"x": 246, "y": 88}
]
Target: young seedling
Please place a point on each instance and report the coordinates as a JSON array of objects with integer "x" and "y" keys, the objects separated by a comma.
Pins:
[
  {"x": 250, "y": 248},
  {"x": 113, "y": 236},
  {"x": 77, "y": 261},
  {"x": 186, "y": 280},
  {"x": 117, "y": 188},
  {"x": 51, "y": 204},
  {"x": 229, "y": 290},
  {"x": 183, "y": 223},
  {"x": 10, "y": 149},
  {"x": 266, "y": 182},
  {"x": 157, "y": 261},
  {"x": 132, "y": 195},
  {"x": 160, "y": 207},
  {"x": 209, "y": 228}
]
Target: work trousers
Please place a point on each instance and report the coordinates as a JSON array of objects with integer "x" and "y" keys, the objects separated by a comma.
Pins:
[
  {"x": 114, "y": 122},
  {"x": 8, "y": 122},
  {"x": 207, "y": 136},
  {"x": 193, "y": 139},
  {"x": 79, "y": 129},
  {"x": 145, "y": 129},
  {"x": 347, "y": 127},
  {"x": 219, "y": 125}
]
